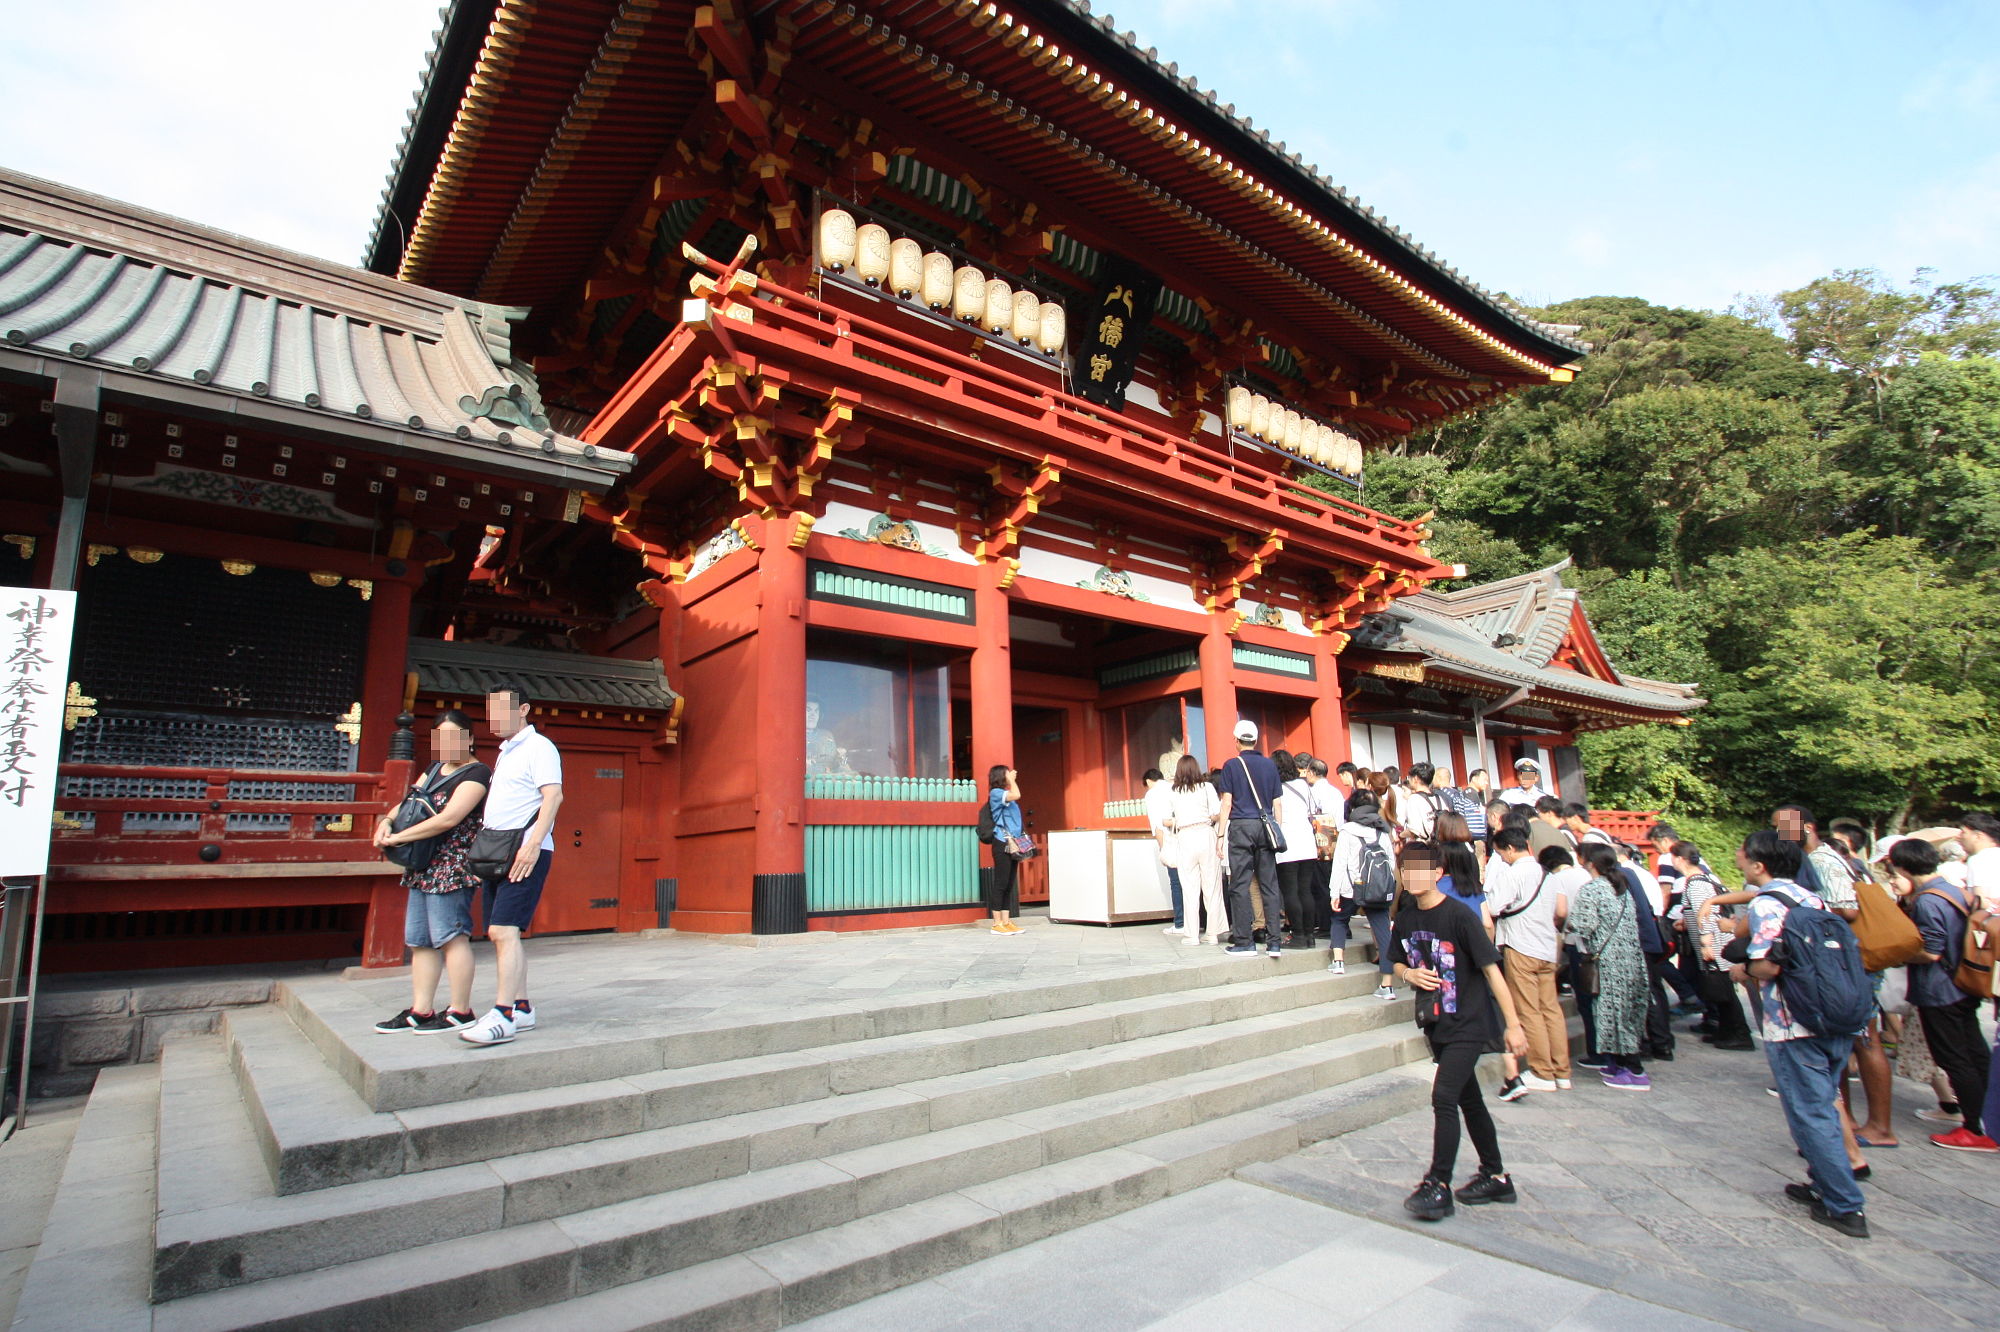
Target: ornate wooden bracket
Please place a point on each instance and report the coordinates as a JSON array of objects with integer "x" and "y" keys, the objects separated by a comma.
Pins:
[
  {"x": 1220, "y": 583},
  {"x": 990, "y": 527}
]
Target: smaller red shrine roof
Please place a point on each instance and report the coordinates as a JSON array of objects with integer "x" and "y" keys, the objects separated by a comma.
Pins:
[
  {"x": 471, "y": 670},
  {"x": 1526, "y": 630},
  {"x": 87, "y": 280}
]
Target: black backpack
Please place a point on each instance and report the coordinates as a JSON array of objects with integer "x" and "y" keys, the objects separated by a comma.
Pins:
[
  {"x": 984, "y": 827},
  {"x": 1374, "y": 873},
  {"x": 1823, "y": 982}
]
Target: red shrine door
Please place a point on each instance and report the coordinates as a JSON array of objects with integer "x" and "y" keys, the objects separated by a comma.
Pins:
[
  {"x": 1041, "y": 760},
  {"x": 582, "y": 892}
]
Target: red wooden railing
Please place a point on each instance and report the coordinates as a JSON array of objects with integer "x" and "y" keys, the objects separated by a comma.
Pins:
[
  {"x": 869, "y": 351},
  {"x": 302, "y": 839}
]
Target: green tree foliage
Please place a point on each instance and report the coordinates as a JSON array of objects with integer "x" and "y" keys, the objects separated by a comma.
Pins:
[{"x": 1794, "y": 506}]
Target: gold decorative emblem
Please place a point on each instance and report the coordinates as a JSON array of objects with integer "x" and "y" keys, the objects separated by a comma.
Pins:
[
  {"x": 349, "y": 725},
  {"x": 238, "y": 567},
  {"x": 77, "y": 705},
  {"x": 24, "y": 544},
  {"x": 93, "y": 552},
  {"x": 324, "y": 578},
  {"x": 365, "y": 586},
  {"x": 145, "y": 554}
]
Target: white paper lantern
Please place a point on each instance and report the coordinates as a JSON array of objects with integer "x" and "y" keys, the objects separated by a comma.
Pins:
[
  {"x": 1294, "y": 433},
  {"x": 1054, "y": 329},
  {"x": 1274, "y": 424},
  {"x": 871, "y": 259},
  {"x": 999, "y": 307},
  {"x": 1027, "y": 316},
  {"x": 968, "y": 295},
  {"x": 836, "y": 239},
  {"x": 906, "y": 266},
  {"x": 937, "y": 280},
  {"x": 1260, "y": 414},
  {"x": 1239, "y": 408}
]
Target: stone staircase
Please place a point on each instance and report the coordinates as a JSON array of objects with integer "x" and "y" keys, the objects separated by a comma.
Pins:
[{"x": 296, "y": 1170}]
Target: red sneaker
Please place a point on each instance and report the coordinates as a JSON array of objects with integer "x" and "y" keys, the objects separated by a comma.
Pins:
[{"x": 1965, "y": 1140}]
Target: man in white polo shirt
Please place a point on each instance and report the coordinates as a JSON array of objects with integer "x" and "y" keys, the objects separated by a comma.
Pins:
[{"x": 525, "y": 794}]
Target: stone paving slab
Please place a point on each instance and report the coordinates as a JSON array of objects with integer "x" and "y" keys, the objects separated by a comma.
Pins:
[
  {"x": 1233, "y": 1256},
  {"x": 1675, "y": 1197},
  {"x": 665, "y": 979}
]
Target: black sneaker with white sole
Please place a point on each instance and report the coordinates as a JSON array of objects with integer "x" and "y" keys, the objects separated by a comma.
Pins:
[
  {"x": 445, "y": 1020},
  {"x": 1484, "y": 1188},
  {"x": 1854, "y": 1225},
  {"x": 407, "y": 1020},
  {"x": 1430, "y": 1201},
  {"x": 1513, "y": 1089}
]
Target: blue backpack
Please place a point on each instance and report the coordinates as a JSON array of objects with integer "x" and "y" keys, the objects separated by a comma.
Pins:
[{"x": 1823, "y": 981}]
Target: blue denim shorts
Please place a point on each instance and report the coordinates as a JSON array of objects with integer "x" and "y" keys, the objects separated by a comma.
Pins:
[
  {"x": 435, "y": 919},
  {"x": 509, "y": 903}
]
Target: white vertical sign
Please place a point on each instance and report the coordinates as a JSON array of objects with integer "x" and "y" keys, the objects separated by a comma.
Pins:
[{"x": 34, "y": 673}]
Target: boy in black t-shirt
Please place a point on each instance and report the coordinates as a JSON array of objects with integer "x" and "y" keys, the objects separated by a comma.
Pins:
[{"x": 1442, "y": 950}]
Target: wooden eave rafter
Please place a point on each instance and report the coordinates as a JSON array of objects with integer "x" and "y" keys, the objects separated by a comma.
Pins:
[
  {"x": 521, "y": 128},
  {"x": 1125, "y": 133}
]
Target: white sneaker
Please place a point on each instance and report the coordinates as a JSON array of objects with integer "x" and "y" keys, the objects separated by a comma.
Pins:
[
  {"x": 1535, "y": 1084},
  {"x": 1171, "y": 929},
  {"x": 1386, "y": 992},
  {"x": 1192, "y": 941},
  {"x": 1338, "y": 966},
  {"x": 1563, "y": 1084},
  {"x": 496, "y": 1028},
  {"x": 524, "y": 1019}
]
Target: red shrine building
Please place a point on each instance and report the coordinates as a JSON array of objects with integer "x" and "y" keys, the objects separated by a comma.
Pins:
[{"x": 814, "y": 405}]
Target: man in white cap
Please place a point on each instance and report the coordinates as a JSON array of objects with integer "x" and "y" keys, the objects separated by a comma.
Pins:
[
  {"x": 1527, "y": 788},
  {"x": 1249, "y": 787}
]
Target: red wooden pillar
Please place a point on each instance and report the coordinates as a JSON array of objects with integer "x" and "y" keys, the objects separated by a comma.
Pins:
[
  {"x": 778, "y": 860},
  {"x": 992, "y": 675},
  {"x": 1217, "y": 657},
  {"x": 1329, "y": 714},
  {"x": 386, "y": 663}
]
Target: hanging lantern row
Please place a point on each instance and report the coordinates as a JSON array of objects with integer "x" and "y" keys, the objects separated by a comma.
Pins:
[
  {"x": 904, "y": 267},
  {"x": 1279, "y": 425}
]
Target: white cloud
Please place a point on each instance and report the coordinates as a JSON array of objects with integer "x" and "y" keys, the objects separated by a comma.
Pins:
[
  {"x": 1958, "y": 87},
  {"x": 1953, "y": 225},
  {"x": 271, "y": 119}
]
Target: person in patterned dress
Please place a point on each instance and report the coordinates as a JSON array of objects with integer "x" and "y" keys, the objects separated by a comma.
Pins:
[
  {"x": 438, "y": 924},
  {"x": 1602, "y": 919}
]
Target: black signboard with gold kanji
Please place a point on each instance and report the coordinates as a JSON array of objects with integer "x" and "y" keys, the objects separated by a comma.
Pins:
[{"x": 1107, "y": 330}]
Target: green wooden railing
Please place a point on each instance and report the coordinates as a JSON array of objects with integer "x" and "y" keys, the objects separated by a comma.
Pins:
[
  {"x": 868, "y": 867},
  {"x": 865, "y": 786}
]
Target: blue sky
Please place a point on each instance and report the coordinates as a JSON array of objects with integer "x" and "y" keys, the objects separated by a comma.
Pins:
[{"x": 1685, "y": 152}]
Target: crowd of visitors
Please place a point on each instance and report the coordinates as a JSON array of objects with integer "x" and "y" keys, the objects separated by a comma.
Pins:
[{"x": 1852, "y": 960}]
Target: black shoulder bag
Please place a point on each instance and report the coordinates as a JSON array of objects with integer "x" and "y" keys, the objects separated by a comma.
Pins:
[
  {"x": 1265, "y": 815},
  {"x": 420, "y": 804}
]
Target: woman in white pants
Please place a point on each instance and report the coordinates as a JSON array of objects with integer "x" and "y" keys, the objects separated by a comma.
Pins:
[{"x": 1193, "y": 813}]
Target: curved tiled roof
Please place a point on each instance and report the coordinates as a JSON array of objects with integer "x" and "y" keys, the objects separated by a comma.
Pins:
[
  {"x": 1460, "y": 629},
  {"x": 470, "y": 670},
  {"x": 84, "y": 279},
  {"x": 1561, "y": 336},
  {"x": 1450, "y": 643}
]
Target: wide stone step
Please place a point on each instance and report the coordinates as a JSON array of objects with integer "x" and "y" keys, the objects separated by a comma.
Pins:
[
  {"x": 801, "y": 1277},
  {"x": 316, "y": 1132},
  {"x": 398, "y": 1073},
  {"x": 890, "y": 1138},
  {"x": 806, "y": 1224}
]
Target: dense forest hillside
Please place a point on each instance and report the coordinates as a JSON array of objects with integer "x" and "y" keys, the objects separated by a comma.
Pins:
[{"x": 1794, "y": 504}]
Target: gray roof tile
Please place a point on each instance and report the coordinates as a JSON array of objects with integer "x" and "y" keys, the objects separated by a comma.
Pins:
[
  {"x": 468, "y": 670},
  {"x": 85, "y": 279}
]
